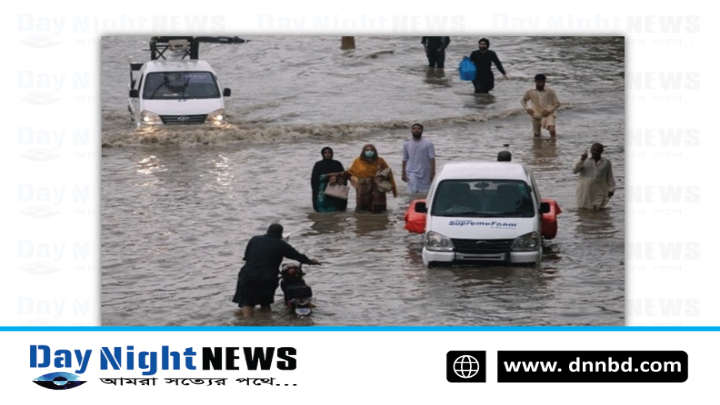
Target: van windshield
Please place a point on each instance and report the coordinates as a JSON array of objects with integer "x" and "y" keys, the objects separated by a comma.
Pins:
[
  {"x": 180, "y": 85},
  {"x": 483, "y": 199}
]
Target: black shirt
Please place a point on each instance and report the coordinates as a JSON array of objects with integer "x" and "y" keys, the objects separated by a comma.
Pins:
[
  {"x": 265, "y": 253},
  {"x": 325, "y": 166},
  {"x": 483, "y": 61},
  {"x": 433, "y": 43}
]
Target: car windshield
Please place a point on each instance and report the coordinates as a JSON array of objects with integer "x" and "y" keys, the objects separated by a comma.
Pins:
[
  {"x": 483, "y": 199},
  {"x": 180, "y": 85}
]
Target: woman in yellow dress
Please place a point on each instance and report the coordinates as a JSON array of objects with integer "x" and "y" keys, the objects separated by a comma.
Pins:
[{"x": 371, "y": 177}]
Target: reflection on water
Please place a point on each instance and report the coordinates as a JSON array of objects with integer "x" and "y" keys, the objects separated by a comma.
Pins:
[
  {"x": 413, "y": 251},
  {"x": 223, "y": 170},
  {"x": 437, "y": 77},
  {"x": 272, "y": 318},
  {"x": 149, "y": 165},
  {"x": 545, "y": 151},
  {"x": 371, "y": 225},
  {"x": 327, "y": 223},
  {"x": 482, "y": 99},
  {"x": 596, "y": 223}
]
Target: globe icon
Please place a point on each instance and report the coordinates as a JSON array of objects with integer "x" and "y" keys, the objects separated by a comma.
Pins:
[{"x": 466, "y": 366}]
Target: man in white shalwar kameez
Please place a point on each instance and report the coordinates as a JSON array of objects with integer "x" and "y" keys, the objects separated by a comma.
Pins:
[
  {"x": 596, "y": 183},
  {"x": 418, "y": 165}
]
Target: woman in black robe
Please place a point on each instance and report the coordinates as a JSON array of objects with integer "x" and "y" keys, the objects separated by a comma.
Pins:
[{"x": 320, "y": 179}]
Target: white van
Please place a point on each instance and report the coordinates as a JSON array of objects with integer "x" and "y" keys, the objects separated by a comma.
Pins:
[
  {"x": 175, "y": 92},
  {"x": 483, "y": 211}
]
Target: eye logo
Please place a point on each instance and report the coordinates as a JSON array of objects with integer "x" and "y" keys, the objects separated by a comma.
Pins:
[
  {"x": 40, "y": 97},
  {"x": 40, "y": 211},
  {"x": 41, "y": 268},
  {"x": 40, "y": 41},
  {"x": 40, "y": 155},
  {"x": 58, "y": 381}
]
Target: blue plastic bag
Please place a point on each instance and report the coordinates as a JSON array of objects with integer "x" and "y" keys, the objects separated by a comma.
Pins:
[{"x": 467, "y": 69}]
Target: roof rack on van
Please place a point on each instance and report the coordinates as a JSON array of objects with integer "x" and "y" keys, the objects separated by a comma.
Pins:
[{"x": 189, "y": 45}]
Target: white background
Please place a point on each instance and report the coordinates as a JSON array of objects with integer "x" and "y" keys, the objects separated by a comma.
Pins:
[
  {"x": 50, "y": 189},
  {"x": 360, "y": 367}
]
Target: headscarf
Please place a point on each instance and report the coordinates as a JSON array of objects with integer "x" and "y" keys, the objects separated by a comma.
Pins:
[
  {"x": 321, "y": 167},
  {"x": 375, "y": 153},
  {"x": 365, "y": 167},
  {"x": 325, "y": 166}
]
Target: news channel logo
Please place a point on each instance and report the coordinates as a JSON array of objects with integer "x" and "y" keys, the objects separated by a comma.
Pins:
[
  {"x": 465, "y": 366},
  {"x": 59, "y": 381}
]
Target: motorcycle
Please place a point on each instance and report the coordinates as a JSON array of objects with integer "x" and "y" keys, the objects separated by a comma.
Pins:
[{"x": 297, "y": 294}]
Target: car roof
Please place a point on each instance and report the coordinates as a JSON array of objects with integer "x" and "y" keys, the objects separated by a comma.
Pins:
[
  {"x": 485, "y": 170},
  {"x": 178, "y": 66}
]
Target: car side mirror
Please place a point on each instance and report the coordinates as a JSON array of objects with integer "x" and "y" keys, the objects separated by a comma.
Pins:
[
  {"x": 133, "y": 93},
  {"x": 544, "y": 207},
  {"x": 420, "y": 207},
  {"x": 226, "y": 92}
]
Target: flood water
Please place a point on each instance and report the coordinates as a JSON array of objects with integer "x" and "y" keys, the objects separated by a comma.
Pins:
[{"x": 179, "y": 204}]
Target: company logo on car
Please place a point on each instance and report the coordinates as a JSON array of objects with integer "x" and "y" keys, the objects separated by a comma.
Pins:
[{"x": 491, "y": 224}]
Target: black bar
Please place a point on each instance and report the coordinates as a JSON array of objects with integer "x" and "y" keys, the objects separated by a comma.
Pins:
[{"x": 592, "y": 366}]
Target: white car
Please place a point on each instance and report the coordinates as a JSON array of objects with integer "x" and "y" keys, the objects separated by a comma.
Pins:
[
  {"x": 483, "y": 211},
  {"x": 166, "y": 92}
]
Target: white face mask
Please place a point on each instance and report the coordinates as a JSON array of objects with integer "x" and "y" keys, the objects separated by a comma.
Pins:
[{"x": 369, "y": 153}]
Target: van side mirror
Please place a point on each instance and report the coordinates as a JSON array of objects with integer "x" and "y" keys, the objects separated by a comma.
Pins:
[
  {"x": 133, "y": 93},
  {"x": 226, "y": 92},
  {"x": 544, "y": 207},
  {"x": 420, "y": 207}
]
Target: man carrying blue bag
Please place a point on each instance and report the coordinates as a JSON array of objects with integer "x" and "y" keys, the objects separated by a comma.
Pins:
[{"x": 483, "y": 58}]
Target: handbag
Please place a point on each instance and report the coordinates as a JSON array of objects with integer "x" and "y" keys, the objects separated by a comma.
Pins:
[
  {"x": 337, "y": 191},
  {"x": 467, "y": 69},
  {"x": 383, "y": 185}
]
